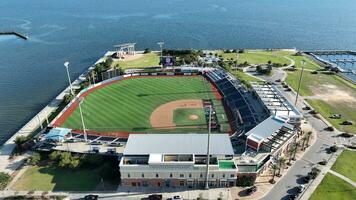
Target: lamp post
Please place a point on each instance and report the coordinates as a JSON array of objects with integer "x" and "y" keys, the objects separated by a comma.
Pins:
[
  {"x": 208, "y": 154},
  {"x": 66, "y": 64},
  {"x": 300, "y": 81},
  {"x": 80, "y": 101}
]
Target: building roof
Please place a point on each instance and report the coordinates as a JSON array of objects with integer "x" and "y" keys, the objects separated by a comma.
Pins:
[
  {"x": 144, "y": 144},
  {"x": 268, "y": 127},
  {"x": 57, "y": 133}
]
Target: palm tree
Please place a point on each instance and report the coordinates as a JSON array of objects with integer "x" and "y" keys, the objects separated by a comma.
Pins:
[
  {"x": 304, "y": 139},
  {"x": 308, "y": 137},
  {"x": 281, "y": 162},
  {"x": 274, "y": 168},
  {"x": 296, "y": 145}
]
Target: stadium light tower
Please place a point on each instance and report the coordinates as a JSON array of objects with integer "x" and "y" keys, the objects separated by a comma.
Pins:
[
  {"x": 300, "y": 81},
  {"x": 161, "y": 47},
  {"x": 66, "y": 64},
  {"x": 80, "y": 101},
  {"x": 208, "y": 154}
]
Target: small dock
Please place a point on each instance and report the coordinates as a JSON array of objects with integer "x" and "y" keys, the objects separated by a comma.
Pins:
[{"x": 20, "y": 35}]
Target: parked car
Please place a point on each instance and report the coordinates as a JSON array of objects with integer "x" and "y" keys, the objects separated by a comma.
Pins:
[
  {"x": 251, "y": 190},
  {"x": 300, "y": 188},
  {"x": 306, "y": 179},
  {"x": 288, "y": 90},
  {"x": 323, "y": 162},
  {"x": 155, "y": 197},
  {"x": 91, "y": 197},
  {"x": 278, "y": 80},
  {"x": 329, "y": 128},
  {"x": 335, "y": 116},
  {"x": 306, "y": 108},
  {"x": 345, "y": 135},
  {"x": 292, "y": 196},
  {"x": 176, "y": 197},
  {"x": 347, "y": 122}
]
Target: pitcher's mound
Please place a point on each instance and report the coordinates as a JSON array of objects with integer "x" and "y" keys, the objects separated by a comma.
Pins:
[{"x": 193, "y": 117}]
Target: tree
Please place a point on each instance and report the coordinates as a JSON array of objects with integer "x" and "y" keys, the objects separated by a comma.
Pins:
[
  {"x": 296, "y": 145},
  {"x": 308, "y": 137},
  {"x": 147, "y": 50},
  {"x": 304, "y": 139},
  {"x": 65, "y": 159},
  {"x": 35, "y": 159},
  {"x": 54, "y": 156},
  {"x": 274, "y": 169},
  {"x": 281, "y": 162}
]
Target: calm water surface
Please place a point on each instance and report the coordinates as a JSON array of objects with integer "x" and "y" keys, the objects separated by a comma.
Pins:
[{"x": 32, "y": 72}]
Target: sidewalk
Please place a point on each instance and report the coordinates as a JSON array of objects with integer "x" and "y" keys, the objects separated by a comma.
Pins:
[{"x": 324, "y": 170}]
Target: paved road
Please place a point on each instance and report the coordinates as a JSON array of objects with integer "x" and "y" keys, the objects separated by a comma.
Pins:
[{"x": 314, "y": 154}]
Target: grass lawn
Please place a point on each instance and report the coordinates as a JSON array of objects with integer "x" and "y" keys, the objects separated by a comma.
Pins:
[
  {"x": 345, "y": 164},
  {"x": 326, "y": 109},
  {"x": 147, "y": 60},
  {"x": 127, "y": 105},
  {"x": 182, "y": 116},
  {"x": 332, "y": 187},
  {"x": 243, "y": 76},
  {"x": 57, "y": 179},
  {"x": 257, "y": 57}
]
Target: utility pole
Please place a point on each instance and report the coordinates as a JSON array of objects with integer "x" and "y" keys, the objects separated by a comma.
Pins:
[
  {"x": 300, "y": 81},
  {"x": 66, "y": 64},
  {"x": 208, "y": 153}
]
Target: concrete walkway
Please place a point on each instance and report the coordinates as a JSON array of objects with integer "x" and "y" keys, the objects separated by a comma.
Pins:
[{"x": 343, "y": 177}]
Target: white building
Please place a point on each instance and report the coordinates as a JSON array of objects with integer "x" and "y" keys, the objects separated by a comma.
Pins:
[{"x": 177, "y": 160}]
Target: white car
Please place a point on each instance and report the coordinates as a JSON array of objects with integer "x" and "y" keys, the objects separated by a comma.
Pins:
[{"x": 177, "y": 197}]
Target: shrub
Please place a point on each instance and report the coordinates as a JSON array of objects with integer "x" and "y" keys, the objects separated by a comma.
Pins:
[
  {"x": 4, "y": 180},
  {"x": 34, "y": 159}
]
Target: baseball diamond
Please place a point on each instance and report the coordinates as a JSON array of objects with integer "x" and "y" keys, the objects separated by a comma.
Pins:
[{"x": 147, "y": 104}]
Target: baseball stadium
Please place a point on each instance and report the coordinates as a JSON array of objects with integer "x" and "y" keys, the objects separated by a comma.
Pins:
[{"x": 147, "y": 104}]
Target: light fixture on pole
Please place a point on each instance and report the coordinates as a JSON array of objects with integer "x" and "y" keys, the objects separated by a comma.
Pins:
[
  {"x": 80, "y": 101},
  {"x": 208, "y": 153},
  {"x": 161, "y": 47},
  {"x": 300, "y": 81},
  {"x": 66, "y": 64}
]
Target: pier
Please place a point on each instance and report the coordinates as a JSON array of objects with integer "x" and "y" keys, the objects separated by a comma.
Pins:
[{"x": 14, "y": 33}]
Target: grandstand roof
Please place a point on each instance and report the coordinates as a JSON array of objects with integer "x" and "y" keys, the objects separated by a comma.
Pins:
[
  {"x": 57, "y": 133},
  {"x": 267, "y": 128},
  {"x": 144, "y": 144}
]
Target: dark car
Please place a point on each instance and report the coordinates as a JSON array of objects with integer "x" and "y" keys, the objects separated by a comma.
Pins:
[
  {"x": 155, "y": 197},
  {"x": 306, "y": 179},
  {"x": 292, "y": 196},
  {"x": 306, "y": 108},
  {"x": 329, "y": 128},
  {"x": 251, "y": 190},
  {"x": 347, "y": 122},
  {"x": 91, "y": 197}
]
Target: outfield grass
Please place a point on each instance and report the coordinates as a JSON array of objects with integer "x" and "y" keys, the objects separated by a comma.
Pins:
[
  {"x": 56, "y": 179},
  {"x": 147, "y": 60},
  {"x": 332, "y": 187},
  {"x": 345, "y": 164},
  {"x": 181, "y": 116},
  {"x": 128, "y": 104},
  {"x": 257, "y": 57}
]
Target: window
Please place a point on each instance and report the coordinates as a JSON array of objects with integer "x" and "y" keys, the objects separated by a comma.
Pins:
[
  {"x": 190, "y": 175},
  {"x": 223, "y": 175},
  {"x": 181, "y": 175},
  {"x": 181, "y": 183},
  {"x": 171, "y": 175},
  {"x": 157, "y": 175},
  {"x": 232, "y": 175},
  {"x": 201, "y": 175},
  {"x": 128, "y": 175},
  {"x": 143, "y": 175},
  {"x": 212, "y": 175}
]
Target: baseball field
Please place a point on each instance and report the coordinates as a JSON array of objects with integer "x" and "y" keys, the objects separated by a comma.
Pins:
[{"x": 147, "y": 104}]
